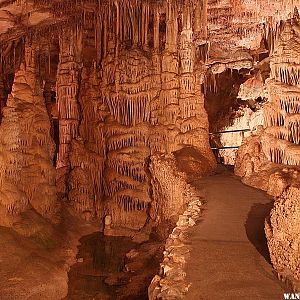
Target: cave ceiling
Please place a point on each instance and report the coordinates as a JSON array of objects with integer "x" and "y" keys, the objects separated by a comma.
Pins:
[{"x": 233, "y": 26}]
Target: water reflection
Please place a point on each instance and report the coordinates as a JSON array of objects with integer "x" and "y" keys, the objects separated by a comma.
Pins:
[{"x": 100, "y": 256}]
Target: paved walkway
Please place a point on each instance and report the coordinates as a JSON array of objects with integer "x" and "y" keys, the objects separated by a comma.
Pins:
[{"x": 229, "y": 257}]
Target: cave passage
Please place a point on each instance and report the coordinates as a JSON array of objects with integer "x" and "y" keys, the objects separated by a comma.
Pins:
[
  {"x": 116, "y": 120},
  {"x": 229, "y": 243}
]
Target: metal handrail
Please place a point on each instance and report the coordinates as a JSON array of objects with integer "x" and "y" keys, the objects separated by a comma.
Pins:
[
  {"x": 237, "y": 130},
  {"x": 229, "y": 131},
  {"x": 222, "y": 148}
]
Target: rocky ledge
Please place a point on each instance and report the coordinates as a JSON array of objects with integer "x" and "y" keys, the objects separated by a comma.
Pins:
[{"x": 171, "y": 283}]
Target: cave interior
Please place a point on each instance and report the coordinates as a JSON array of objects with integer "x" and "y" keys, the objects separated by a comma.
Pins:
[{"x": 113, "y": 112}]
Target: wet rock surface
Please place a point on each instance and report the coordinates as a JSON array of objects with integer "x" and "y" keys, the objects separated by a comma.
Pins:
[{"x": 113, "y": 268}]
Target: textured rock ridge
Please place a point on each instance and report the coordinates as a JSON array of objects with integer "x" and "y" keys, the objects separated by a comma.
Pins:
[
  {"x": 27, "y": 176},
  {"x": 269, "y": 160}
]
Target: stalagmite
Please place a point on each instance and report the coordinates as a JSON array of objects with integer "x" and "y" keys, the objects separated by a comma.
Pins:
[{"x": 27, "y": 176}]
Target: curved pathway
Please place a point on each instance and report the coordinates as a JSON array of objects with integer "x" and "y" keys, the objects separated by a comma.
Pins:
[{"x": 229, "y": 257}]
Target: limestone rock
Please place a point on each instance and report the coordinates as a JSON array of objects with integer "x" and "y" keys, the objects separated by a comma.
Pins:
[{"x": 282, "y": 231}]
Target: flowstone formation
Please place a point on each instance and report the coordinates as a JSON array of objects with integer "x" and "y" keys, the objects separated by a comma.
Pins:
[
  {"x": 122, "y": 82},
  {"x": 27, "y": 176},
  {"x": 269, "y": 160},
  {"x": 126, "y": 179},
  {"x": 170, "y": 192},
  {"x": 279, "y": 139},
  {"x": 155, "y": 105},
  {"x": 130, "y": 79}
]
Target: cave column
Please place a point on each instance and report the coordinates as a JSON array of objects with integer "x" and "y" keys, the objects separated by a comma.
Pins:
[
  {"x": 48, "y": 102},
  {"x": 188, "y": 101},
  {"x": 156, "y": 61},
  {"x": 172, "y": 27},
  {"x": 169, "y": 109},
  {"x": 194, "y": 120},
  {"x": 3, "y": 97},
  {"x": 200, "y": 24},
  {"x": 68, "y": 74},
  {"x": 145, "y": 25},
  {"x": 281, "y": 114},
  {"x": 85, "y": 183}
]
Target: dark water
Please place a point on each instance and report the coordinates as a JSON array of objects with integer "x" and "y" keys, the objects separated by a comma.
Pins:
[{"x": 102, "y": 274}]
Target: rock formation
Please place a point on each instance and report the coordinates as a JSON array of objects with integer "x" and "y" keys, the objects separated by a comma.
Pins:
[
  {"x": 104, "y": 104},
  {"x": 282, "y": 231},
  {"x": 269, "y": 159},
  {"x": 67, "y": 99},
  {"x": 124, "y": 91},
  {"x": 27, "y": 173}
]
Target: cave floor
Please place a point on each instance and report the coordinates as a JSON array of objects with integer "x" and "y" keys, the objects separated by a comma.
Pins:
[{"x": 229, "y": 256}]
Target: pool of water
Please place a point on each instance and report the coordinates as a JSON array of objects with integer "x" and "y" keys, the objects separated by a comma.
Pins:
[{"x": 100, "y": 269}]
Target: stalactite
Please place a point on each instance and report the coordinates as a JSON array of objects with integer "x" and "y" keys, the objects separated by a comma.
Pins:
[
  {"x": 147, "y": 99},
  {"x": 67, "y": 93}
]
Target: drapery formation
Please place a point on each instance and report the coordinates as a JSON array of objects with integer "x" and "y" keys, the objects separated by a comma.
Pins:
[
  {"x": 282, "y": 115},
  {"x": 126, "y": 77},
  {"x": 129, "y": 79}
]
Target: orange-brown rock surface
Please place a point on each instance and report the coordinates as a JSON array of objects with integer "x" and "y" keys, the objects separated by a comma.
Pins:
[
  {"x": 129, "y": 92},
  {"x": 269, "y": 160},
  {"x": 27, "y": 176}
]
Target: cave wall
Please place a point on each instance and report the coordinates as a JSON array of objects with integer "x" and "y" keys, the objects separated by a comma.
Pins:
[{"x": 270, "y": 159}]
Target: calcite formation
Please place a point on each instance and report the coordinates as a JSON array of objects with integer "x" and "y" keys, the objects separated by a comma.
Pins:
[
  {"x": 87, "y": 151},
  {"x": 128, "y": 98},
  {"x": 3, "y": 96},
  {"x": 279, "y": 142},
  {"x": 27, "y": 176},
  {"x": 127, "y": 80},
  {"x": 282, "y": 231},
  {"x": 67, "y": 100},
  {"x": 129, "y": 91},
  {"x": 281, "y": 116},
  {"x": 155, "y": 105},
  {"x": 270, "y": 159},
  {"x": 170, "y": 191}
]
